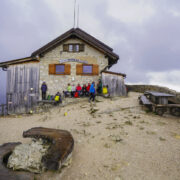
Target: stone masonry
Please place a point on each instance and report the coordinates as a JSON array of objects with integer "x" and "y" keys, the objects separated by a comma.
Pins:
[{"x": 59, "y": 83}]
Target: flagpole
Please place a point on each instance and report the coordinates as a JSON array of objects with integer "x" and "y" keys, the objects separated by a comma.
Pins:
[{"x": 74, "y": 12}]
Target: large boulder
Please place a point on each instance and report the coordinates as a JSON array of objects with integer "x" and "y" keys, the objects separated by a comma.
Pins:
[
  {"x": 28, "y": 156},
  {"x": 8, "y": 174},
  {"x": 61, "y": 145}
]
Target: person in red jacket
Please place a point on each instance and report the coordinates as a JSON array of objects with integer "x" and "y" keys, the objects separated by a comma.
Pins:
[
  {"x": 78, "y": 89},
  {"x": 88, "y": 87}
]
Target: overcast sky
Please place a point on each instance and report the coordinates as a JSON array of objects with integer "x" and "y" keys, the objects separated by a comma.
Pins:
[{"x": 144, "y": 33}]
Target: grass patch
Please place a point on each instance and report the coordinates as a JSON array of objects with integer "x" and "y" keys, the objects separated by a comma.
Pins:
[
  {"x": 141, "y": 128},
  {"x": 161, "y": 123},
  {"x": 162, "y": 139},
  {"x": 107, "y": 145},
  {"x": 129, "y": 123},
  {"x": 143, "y": 122},
  {"x": 147, "y": 111},
  {"x": 151, "y": 132}
]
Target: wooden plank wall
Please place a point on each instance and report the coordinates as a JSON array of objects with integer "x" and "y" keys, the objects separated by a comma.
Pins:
[
  {"x": 3, "y": 109},
  {"x": 116, "y": 86},
  {"x": 22, "y": 87}
]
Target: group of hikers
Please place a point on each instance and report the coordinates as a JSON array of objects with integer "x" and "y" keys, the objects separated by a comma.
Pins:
[{"x": 76, "y": 91}]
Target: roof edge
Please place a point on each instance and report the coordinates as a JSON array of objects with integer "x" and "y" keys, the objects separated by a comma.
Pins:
[
  {"x": 17, "y": 61},
  {"x": 114, "y": 73}
]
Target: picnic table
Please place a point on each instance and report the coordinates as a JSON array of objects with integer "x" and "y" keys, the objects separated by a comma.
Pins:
[{"x": 160, "y": 103}]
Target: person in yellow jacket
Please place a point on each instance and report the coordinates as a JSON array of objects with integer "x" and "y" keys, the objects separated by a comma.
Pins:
[
  {"x": 105, "y": 91},
  {"x": 69, "y": 90},
  {"x": 57, "y": 98}
]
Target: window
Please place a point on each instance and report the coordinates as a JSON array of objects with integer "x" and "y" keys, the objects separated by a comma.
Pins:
[
  {"x": 70, "y": 48},
  {"x": 73, "y": 47},
  {"x": 60, "y": 69},
  {"x": 77, "y": 47},
  {"x": 87, "y": 69}
]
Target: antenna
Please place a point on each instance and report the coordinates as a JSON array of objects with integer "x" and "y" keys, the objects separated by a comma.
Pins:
[
  {"x": 74, "y": 12},
  {"x": 78, "y": 17}
]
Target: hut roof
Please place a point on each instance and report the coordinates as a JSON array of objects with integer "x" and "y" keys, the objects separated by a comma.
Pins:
[
  {"x": 79, "y": 33},
  {"x": 18, "y": 61}
]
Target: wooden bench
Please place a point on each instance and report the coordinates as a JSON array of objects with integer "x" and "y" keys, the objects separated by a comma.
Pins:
[{"x": 144, "y": 100}]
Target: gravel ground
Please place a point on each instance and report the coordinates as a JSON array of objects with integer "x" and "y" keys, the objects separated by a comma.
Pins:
[{"x": 115, "y": 139}]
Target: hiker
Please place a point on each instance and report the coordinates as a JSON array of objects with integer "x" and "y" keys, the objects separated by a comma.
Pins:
[
  {"x": 105, "y": 91},
  {"x": 88, "y": 88},
  {"x": 99, "y": 87},
  {"x": 68, "y": 92},
  {"x": 92, "y": 92},
  {"x": 43, "y": 90},
  {"x": 57, "y": 98},
  {"x": 84, "y": 91},
  {"x": 73, "y": 90},
  {"x": 78, "y": 89}
]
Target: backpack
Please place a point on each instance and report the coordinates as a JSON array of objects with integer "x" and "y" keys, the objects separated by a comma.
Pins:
[
  {"x": 56, "y": 98},
  {"x": 76, "y": 95},
  {"x": 105, "y": 90}
]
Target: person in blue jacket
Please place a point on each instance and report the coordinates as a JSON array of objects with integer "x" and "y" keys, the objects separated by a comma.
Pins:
[
  {"x": 92, "y": 92},
  {"x": 43, "y": 90}
]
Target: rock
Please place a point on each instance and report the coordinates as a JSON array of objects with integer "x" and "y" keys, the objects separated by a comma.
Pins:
[
  {"x": 8, "y": 174},
  {"x": 84, "y": 106},
  {"x": 93, "y": 110},
  {"x": 98, "y": 122},
  {"x": 28, "y": 156},
  {"x": 61, "y": 145},
  {"x": 99, "y": 99}
]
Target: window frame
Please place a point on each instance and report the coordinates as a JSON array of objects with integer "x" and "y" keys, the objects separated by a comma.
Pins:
[{"x": 76, "y": 47}]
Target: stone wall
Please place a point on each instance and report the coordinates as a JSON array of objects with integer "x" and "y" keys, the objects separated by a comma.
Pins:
[
  {"x": 59, "y": 83},
  {"x": 143, "y": 88}
]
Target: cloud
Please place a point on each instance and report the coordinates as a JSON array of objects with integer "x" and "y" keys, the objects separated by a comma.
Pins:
[
  {"x": 145, "y": 33},
  {"x": 132, "y": 11},
  {"x": 169, "y": 79}
]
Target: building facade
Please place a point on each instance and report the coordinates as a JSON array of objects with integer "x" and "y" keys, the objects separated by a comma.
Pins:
[
  {"x": 79, "y": 67},
  {"x": 73, "y": 57}
]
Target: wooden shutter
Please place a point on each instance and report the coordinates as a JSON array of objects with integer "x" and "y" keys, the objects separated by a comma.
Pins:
[
  {"x": 79, "y": 69},
  {"x": 65, "y": 47},
  {"x": 81, "y": 47},
  {"x": 95, "y": 69},
  {"x": 67, "y": 69},
  {"x": 52, "y": 69}
]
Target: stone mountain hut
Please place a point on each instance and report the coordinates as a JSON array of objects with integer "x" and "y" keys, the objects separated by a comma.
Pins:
[{"x": 73, "y": 57}]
